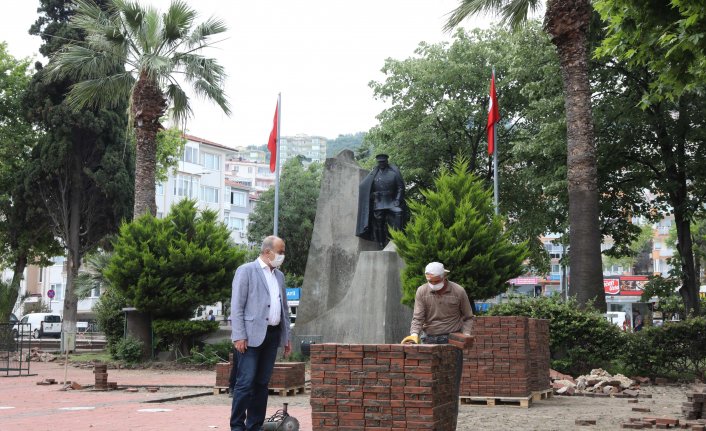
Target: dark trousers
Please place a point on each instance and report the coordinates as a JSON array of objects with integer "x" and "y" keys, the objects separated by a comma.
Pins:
[
  {"x": 254, "y": 371},
  {"x": 233, "y": 372}
]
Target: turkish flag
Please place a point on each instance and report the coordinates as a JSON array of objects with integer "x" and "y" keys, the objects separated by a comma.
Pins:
[
  {"x": 493, "y": 115},
  {"x": 272, "y": 143}
]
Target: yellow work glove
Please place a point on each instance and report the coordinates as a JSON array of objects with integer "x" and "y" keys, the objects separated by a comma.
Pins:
[{"x": 411, "y": 339}]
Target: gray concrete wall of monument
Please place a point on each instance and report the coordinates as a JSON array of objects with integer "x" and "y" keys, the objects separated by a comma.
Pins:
[{"x": 351, "y": 292}]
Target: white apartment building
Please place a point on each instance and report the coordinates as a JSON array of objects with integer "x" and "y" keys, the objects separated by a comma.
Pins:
[
  {"x": 312, "y": 148},
  {"x": 251, "y": 173}
]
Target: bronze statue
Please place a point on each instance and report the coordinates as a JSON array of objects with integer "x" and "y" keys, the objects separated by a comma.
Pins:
[{"x": 381, "y": 202}]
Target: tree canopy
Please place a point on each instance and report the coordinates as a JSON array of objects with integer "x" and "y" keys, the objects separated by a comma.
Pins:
[
  {"x": 666, "y": 38},
  {"x": 457, "y": 225},
  {"x": 168, "y": 267},
  {"x": 299, "y": 191}
]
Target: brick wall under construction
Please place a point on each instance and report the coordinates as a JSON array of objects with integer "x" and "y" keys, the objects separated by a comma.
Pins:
[{"x": 383, "y": 386}]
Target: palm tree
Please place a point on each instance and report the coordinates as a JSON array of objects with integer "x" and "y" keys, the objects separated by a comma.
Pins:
[
  {"x": 135, "y": 53},
  {"x": 567, "y": 23}
]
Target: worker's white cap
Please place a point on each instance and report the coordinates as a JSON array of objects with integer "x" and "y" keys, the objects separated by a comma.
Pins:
[{"x": 436, "y": 268}]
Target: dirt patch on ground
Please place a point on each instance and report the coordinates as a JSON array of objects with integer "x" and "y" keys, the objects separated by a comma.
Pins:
[{"x": 556, "y": 413}]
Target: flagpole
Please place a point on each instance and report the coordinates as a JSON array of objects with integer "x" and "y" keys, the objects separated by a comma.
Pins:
[
  {"x": 496, "y": 176},
  {"x": 277, "y": 159}
]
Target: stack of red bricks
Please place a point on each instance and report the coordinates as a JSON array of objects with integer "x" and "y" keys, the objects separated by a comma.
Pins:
[
  {"x": 510, "y": 357},
  {"x": 101, "y": 375},
  {"x": 287, "y": 375},
  {"x": 223, "y": 374},
  {"x": 695, "y": 407},
  {"x": 383, "y": 386}
]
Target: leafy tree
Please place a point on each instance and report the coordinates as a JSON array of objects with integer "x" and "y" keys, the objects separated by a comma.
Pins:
[
  {"x": 567, "y": 22},
  {"x": 299, "y": 191},
  {"x": 111, "y": 318},
  {"x": 348, "y": 141},
  {"x": 170, "y": 147},
  {"x": 659, "y": 147},
  {"x": 82, "y": 167},
  {"x": 637, "y": 250},
  {"x": 167, "y": 267},
  {"x": 457, "y": 225},
  {"x": 134, "y": 53},
  {"x": 664, "y": 37},
  {"x": 25, "y": 236},
  {"x": 439, "y": 110}
]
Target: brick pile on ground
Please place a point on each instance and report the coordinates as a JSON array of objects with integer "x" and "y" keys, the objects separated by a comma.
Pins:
[
  {"x": 695, "y": 405},
  {"x": 382, "y": 386},
  {"x": 509, "y": 358},
  {"x": 650, "y": 422},
  {"x": 100, "y": 372},
  {"x": 223, "y": 374},
  {"x": 287, "y": 375},
  {"x": 599, "y": 383}
]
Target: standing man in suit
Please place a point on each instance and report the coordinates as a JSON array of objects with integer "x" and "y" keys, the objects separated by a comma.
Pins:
[{"x": 260, "y": 319}]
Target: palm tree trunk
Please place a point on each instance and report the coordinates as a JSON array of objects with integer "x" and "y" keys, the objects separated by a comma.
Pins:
[
  {"x": 148, "y": 105},
  {"x": 567, "y": 23}
]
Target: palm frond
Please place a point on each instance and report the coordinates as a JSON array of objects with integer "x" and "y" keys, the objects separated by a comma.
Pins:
[
  {"x": 200, "y": 67},
  {"x": 132, "y": 14},
  {"x": 211, "y": 92},
  {"x": 79, "y": 62},
  {"x": 91, "y": 275},
  {"x": 110, "y": 91},
  {"x": 515, "y": 12},
  {"x": 177, "y": 21},
  {"x": 471, "y": 7},
  {"x": 179, "y": 102},
  {"x": 512, "y": 12},
  {"x": 207, "y": 28}
]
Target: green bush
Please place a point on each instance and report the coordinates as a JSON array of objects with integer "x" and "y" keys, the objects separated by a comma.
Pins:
[
  {"x": 676, "y": 350},
  {"x": 111, "y": 318},
  {"x": 181, "y": 335},
  {"x": 210, "y": 354},
  {"x": 129, "y": 349},
  {"x": 168, "y": 267},
  {"x": 579, "y": 339}
]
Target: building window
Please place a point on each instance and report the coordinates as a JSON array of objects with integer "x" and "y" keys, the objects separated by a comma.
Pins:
[
  {"x": 58, "y": 291},
  {"x": 556, "y": 268},
  {"x": 159, "y": 189},
  {"x": 41, "y": 274},
  {"x": 235, "y": 223},
  {"x": 186, "y": 185},
  {"x": 658, "y": 245},
  {"x": 239, "y": 199},
  {"x": 211, "y": 161},
  {"x": 209, "y": 194},
  {"x": 160, "y": 214},
  {"x": 191, "y": 155},
  {"x": 250, "y": 169}
]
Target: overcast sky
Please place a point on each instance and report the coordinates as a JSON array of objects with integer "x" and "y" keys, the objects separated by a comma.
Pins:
[{"x": 320, "y": 54}]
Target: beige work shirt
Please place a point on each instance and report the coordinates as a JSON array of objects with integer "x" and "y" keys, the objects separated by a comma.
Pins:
[{"x": 441, "y": 313}]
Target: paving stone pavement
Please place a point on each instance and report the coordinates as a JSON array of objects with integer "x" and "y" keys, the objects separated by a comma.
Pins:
[{"x": 24, "y": 405}]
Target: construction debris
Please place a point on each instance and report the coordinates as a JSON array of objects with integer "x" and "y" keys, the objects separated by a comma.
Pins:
[{"x": 599, "y": 383}]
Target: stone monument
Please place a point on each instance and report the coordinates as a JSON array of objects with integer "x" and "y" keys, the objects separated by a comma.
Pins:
[{"x": 352, "y": 290}]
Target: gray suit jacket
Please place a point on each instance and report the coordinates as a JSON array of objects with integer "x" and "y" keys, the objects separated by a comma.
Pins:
[{"x": 249, "y": 305}]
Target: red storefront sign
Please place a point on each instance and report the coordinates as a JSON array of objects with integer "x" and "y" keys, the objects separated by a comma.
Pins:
[{"x": 627, "y": 285}]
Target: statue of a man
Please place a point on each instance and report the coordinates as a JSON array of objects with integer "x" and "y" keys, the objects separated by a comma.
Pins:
[{"x": 381, "y": 202}]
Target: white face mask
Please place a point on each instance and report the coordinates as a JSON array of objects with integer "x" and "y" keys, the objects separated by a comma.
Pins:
[
  {"x": 435, "y": 287},
  {"x": 277, "y": 261}
]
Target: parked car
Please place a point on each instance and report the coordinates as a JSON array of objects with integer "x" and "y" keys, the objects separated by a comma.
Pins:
[{"x": 40, "y": 325}]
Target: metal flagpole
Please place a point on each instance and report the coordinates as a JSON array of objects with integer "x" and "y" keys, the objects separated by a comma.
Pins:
[
  {"x": 279, "y": 121},
  {"x": 496, "y": 180}
]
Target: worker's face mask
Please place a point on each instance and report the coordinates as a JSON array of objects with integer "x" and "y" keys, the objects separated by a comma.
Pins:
[{"x": 435, "y": 287}]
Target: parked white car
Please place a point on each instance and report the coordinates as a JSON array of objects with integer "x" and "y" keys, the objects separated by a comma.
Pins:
[{"x": 41, "y": 325}]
